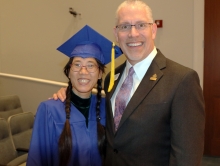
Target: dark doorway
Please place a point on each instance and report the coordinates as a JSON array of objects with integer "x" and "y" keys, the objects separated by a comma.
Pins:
[{"x": 212, "y": 77}]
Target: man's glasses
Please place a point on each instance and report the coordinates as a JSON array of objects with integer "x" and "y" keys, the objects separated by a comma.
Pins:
[
  {"x": 91, "y": 68},
  {"x": 138, "y": 26}
]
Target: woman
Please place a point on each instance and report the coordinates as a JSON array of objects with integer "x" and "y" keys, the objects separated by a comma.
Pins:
[{"x": 72, "y": 133}]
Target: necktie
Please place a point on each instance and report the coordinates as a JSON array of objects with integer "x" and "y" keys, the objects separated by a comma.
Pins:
[{"x": 122, "y": 97}]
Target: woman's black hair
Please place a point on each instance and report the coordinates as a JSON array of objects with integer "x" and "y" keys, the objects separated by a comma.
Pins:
[
  {"x": 100, "y": 127},
  {"x": 65, "y": 141}
]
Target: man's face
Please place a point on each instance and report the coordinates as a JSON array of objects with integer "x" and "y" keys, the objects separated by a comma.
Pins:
[{"x": 135, "y": 44}]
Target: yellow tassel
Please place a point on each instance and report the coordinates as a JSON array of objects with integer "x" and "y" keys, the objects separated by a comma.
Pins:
[{"x": 112, "y": 74}]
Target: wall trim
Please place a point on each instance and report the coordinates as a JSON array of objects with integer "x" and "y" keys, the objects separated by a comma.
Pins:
[
  {"x": 94, "y": 90},
  {"x": 34, "y": 79}
]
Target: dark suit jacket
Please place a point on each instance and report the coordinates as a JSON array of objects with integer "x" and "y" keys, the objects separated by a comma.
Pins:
[{"x": 163, "y": 124}]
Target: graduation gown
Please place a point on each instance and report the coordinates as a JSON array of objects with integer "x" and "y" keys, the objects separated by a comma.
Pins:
[{"x": 49, "y": 122}]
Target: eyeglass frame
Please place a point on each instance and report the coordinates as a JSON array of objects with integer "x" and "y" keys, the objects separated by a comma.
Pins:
[
  {"x": 137, "y": 26},
  {"x": 81, "y": 66}
]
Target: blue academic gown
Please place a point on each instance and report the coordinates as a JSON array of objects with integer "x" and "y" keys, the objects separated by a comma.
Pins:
[{"x": 48, "y": 125}]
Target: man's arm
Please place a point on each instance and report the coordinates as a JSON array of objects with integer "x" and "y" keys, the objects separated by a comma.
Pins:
[{"x": 187, "y": 122}]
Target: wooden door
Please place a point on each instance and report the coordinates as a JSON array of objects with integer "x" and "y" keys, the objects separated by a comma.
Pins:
[{"x": 212, "y": 77}]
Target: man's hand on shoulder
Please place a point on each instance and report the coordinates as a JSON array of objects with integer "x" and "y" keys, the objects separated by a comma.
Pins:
[{"x": 61, "y": 94}]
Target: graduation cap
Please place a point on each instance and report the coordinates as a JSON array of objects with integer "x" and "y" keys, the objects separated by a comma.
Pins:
[{"x": 88, "y": 43}]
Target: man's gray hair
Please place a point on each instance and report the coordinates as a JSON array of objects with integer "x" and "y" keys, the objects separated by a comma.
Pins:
[{"x": 137, "y": 3}]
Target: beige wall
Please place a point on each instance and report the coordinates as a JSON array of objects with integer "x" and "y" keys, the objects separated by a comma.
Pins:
[{"x": 30, "y": 32}]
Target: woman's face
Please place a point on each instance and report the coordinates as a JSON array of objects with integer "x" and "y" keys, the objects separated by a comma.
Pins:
[{"x": 84, "y": 74}]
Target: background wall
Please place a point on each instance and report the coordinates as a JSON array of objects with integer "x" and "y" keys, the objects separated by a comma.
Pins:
[{"x": 30, "y": 32}]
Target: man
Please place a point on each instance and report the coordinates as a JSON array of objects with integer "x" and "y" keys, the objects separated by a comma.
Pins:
[{"x": 163, "y": 122}]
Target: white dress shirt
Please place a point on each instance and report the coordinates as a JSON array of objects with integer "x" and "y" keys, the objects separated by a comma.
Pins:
[{"x": 140, "y": 69}]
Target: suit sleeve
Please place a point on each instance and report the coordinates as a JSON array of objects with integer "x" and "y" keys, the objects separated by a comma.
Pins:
[
  {"x": 40, "y": 147},
  {"x": 187, "y": 122}
]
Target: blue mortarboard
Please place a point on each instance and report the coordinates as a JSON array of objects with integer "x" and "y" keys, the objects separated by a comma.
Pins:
[{"x": 89, "y": 43}]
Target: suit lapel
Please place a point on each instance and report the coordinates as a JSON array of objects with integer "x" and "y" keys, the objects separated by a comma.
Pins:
[
  {"x": 146, "y": 85},
  {"x": 109, "y": 94},
  {"x": 120, "y": 72}
]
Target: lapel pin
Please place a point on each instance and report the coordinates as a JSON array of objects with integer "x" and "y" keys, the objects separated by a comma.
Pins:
[
  {"x": 116, "y": 76},
  {"x": 154, "y": 77}
]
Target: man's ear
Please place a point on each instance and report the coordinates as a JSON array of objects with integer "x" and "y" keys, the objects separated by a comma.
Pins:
[{"x": 154, "y": 30}]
